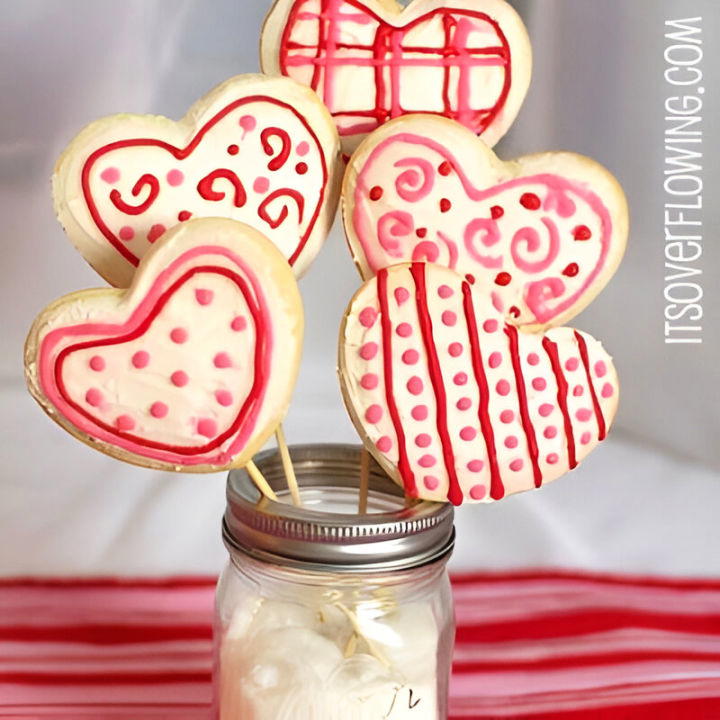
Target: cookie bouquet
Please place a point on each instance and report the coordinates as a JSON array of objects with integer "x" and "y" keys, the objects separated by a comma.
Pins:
[{"x": 455, "y": 360}]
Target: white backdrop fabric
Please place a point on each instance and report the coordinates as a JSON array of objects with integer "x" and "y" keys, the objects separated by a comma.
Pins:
[{"x": 644, "y": 502}]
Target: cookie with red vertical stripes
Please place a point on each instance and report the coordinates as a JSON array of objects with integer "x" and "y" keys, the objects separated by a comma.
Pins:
[
  {"x": 373, "y": 60},
  {"x": 457, "y": 405},
  {"x": 191, "y": 369},
  {"x": 543, "y": 234}
]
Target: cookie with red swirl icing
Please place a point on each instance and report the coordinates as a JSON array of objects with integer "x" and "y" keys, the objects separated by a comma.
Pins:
[
  {"x": 457, "y": 405},
  {"x": 259, "y": 150},
  {"x": 542, "y": 235},
  {"x": 190, "y": 369},
  {"x": 374, "y": 60}
]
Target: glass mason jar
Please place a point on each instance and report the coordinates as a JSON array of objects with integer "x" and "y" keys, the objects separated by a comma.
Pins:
[{"x": 324, "y": 614}]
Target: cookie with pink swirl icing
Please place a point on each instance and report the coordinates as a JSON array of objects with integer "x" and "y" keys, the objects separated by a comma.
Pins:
[
  {"x": 260, "y": 150},
  {"x": 190, "y": 369},
  {"x": 542, "y": 235},
  {"x": 457, "y": 405},
  {"x": 374, "y": 60}
]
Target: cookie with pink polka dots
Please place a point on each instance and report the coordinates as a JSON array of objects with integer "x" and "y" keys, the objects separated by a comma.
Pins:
[
  {"x": 191, "y": 368},
  {"x": 542, "y": 234},
  {"x": 457, "y": 405},
  {"x": 260, "y": 150}
]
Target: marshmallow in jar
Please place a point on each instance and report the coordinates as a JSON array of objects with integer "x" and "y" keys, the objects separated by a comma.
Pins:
[{"x": 324, "y": 614}]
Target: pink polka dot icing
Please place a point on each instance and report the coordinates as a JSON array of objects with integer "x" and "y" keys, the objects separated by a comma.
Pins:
[
  {"x": 175, "y": 177},
  {"x": 468, "y": 434},
  {"x": 607, "y": 390},
  {"x": 179, "y": 378},
  {"x": 550, "y": 432},
  {"x": 303, "y": 148},
  {"x": 404, "y": 330},
  {"x": 445, "y": 292},
  {"x": 124, "y": 423},
  {"x": 507, "y": 416},
  {"x": 584, "y": 414},
  {"x": 578, "y": 391},
  {"x": 423, "y": 440},
  {"x": 419, "y": 413},
  {"x": 179, "y": 335},
  {"x": 97, "y": 363},
  {"x": 503, "y": 387},
  {"x": 490, "y": 326},
  {"x": 511, "y": 442},
  {"x": 369, "y": 381},
  {"x": 93, "y": 397},
  {"x": 224, "y": 398},
  {"x": 384, "y": 444},
  {"x": 374, "y": 414},
  {"x": 207, "y": 427},
  {"x": 600, "y": 369},
  {"x": 539, "y": 383},
  {"x": 464, "y": 403},
  {"x": 368, "y": 316},
  {"x": 495, "y": 360},
  {"x": 431, "y": 482},
  {"x": 401, "y": 295},
  {"x": 155, "y": 232},
  {"x": 159, "y": 410},
  {"x": 545, "y": 410},
  {"x": 368, "y": 351},
  {"x": 517, "y": 465},
  {"x": 410, "y": 357},
  {"x": 475, "y": 466},
  {"x": 478, "y": 492},
  {"x": 204, "y": 296},
  {"x": 126, "y": 233},
  {"x": 415, "y": 385},
  {"x": 427, "y": 461},
  {"x": 460, "y": 378},
  {"x": 222, "y": 360},
  {"x": 261, "y": 185},
  {"x": 572, "y": 364},
  {"x": 553, "y": 458},
  {"x": 449, "y": 318},
  {"x": 585, "y": 438},
  {"x": 248, "y": 123},
  {"x": 455, "y": 349},
  {"x": 110, "y": 175},
  {"x": 238, "y": 323},
  {"x": 533, "y": 359},
  {"x": 140, "y": 359}
]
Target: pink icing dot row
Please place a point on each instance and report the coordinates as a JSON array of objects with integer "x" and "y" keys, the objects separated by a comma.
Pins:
[{"x": 204, "y": 296}]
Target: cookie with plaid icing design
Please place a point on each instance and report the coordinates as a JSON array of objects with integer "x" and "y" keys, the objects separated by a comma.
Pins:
[{"x": 374, "y": 60}]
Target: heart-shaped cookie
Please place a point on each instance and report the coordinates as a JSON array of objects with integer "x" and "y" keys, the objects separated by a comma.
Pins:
[
  {"x": 373, "y": 60},
  {"x": 455, "y": 404},
  {"x": 542, "y": 234},
  {"x": 192, "y": 368},
  {"x": 260, "y": 150}
]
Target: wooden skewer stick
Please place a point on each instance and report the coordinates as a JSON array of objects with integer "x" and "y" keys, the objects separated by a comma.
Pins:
[
  {"x": 288, "y": 467},
  {"x": 364, "y": 480},
  {"x": 260, "y": 482}
]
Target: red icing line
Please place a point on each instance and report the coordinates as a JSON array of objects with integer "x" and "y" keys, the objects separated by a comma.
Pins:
[
  {"x": 280, "y": 219},
  {"x": 582, "y": 346},
  {"x": 455, "y": 494},
  {"x": 512, "y": 334},
  {"x": 497, "y": 489},
  {"x": 147, "y": 179},
  {"x": 254, "y": 396},
  {"x": 181, "y": 154},
  {"x": 552, "y": 353},
  {"x": 388, "y": 39},
  {"x": 281, "y": 158},
  {"x": 205, "y": 187},
  {"x": 406, "y": 472}
]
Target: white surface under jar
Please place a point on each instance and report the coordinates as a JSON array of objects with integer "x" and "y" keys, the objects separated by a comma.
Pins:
[{"x": 324, "y": 614}]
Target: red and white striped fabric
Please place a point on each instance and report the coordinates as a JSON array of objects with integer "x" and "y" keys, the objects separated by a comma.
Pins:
[{"x": 529, "y": 645}]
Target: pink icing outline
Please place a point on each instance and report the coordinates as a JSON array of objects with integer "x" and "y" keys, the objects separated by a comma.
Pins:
[
  {"x": 46, "y": 364},
  {"x": 557, "y": 184}
]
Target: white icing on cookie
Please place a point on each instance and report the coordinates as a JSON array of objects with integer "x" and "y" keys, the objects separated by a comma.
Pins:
[
  {"x": 259, "y": 150},
  {"x": 191, "y": 368},
  {"x": 455, "y": 404},
  {"x": 543, "y": 234}
]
